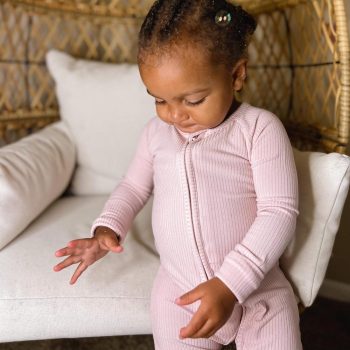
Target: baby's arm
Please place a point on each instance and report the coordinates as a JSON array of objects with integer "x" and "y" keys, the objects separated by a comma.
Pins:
[
  {"x": 131, "y": 194},
  {"x": 109, "y": 229},
  {"x": 276, "y": 186}
]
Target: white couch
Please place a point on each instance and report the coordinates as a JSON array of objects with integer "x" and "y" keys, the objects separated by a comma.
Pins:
[{"x": 54, "y": 183}]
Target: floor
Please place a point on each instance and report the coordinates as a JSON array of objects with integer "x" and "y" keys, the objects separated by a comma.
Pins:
[{"x": 324, "y": 326}]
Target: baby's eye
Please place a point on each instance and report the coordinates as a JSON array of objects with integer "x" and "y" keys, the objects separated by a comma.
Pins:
[
  {"x": 159, "y": 102},
  {"x": 196, "y": 103}
]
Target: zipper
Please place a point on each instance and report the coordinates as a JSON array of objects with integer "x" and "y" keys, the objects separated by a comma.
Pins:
[{"x": 195, "y": 230}]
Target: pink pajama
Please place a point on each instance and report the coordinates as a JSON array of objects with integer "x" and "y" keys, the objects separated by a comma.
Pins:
[
  {"x": 266, "y": 321},
  {"x": 225, "y": 205}
]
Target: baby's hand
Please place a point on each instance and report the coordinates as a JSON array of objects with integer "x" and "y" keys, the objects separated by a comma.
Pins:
[
  {"x": 217, "y": 302},
  {"x": 88, "y": 250}
]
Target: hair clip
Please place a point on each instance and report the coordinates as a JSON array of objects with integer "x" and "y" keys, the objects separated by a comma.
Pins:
[{"x": 223, "y": 18}]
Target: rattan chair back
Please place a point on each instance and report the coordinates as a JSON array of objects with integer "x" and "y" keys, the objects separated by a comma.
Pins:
[{"x": 299, "y": 61}]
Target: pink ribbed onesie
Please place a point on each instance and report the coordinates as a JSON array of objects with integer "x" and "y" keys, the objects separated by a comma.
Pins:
[{"x": 225, "y": 204}]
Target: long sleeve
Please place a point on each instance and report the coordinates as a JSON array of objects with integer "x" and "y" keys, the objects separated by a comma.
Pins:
[
  {"x": 276, "y": 187},
  {"x": 131, "y": 194}
]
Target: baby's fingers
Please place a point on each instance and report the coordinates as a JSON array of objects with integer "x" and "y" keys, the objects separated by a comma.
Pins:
[
  {"x": 67, "y": 251},
  {"x": 206, "y": 331},
  {"x": 80, "y": 269},
  {"x": 67, "y": 262},
  {"x": 197, "y": 322},
  {"x": 81, "y": 243},
  {"x": 74, "y": 247}
]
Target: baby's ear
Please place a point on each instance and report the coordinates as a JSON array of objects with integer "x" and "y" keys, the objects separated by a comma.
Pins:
[{"x": 239, "y": 74}]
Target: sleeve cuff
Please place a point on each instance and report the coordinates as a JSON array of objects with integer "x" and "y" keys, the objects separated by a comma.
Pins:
[{"x": 239, "y": 277}]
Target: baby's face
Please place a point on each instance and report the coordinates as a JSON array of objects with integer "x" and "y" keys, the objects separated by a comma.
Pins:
[{"x": 190, "y": 93}]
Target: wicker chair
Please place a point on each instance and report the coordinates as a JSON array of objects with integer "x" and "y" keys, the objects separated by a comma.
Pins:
[{"x": 299, "y": 44}]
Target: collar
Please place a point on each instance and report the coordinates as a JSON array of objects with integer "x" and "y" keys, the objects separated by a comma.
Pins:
[{"x": 203, "y": 133}]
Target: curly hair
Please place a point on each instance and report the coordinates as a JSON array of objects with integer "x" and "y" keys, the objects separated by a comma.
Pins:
[{"x": 171, "y": 23}]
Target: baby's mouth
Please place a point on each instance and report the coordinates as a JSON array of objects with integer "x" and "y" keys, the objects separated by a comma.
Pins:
[
  {"x": 190, "y": 129},
  {"x": 184, "y": 127}
]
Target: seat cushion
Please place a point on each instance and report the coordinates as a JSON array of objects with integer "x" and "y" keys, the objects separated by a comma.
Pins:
[{"x": 111, "y": 297}]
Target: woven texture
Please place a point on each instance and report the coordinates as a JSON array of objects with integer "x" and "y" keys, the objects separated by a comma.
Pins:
[{"x": 299, "y": 61}]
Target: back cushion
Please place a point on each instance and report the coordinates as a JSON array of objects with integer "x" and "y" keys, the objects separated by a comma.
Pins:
[{"x": 106, "y": 106}]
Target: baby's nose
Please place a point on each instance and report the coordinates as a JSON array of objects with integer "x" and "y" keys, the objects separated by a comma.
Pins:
[{"x": 177, "y": 115}]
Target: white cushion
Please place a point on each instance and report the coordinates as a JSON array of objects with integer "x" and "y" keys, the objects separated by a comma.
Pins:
[
  {"x": 33, "y": 172},
  {"x": 112, "y": 296},
  {"x": 106, "y": 106},
  {"x": 323, "y": 187}
]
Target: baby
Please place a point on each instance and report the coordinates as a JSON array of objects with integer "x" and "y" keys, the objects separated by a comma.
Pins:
[{"x": 224, "y": 183}]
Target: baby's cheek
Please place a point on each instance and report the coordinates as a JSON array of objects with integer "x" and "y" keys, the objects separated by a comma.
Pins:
[{"x": 163, "y": 115}]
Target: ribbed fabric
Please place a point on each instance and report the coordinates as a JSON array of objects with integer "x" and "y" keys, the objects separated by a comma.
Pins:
[
  {"x": 268, "y": 320},
  {"x": 225, "y": 201}
]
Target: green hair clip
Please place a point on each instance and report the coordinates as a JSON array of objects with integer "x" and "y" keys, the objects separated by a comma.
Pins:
[{"x": 223, "y": 18}]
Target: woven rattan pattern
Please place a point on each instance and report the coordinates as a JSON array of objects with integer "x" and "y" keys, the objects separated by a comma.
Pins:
[{"x": 299, "y": 60}]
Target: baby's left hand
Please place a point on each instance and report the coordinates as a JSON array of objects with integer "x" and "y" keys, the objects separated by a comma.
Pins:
[{"x": 217, "y": 302}]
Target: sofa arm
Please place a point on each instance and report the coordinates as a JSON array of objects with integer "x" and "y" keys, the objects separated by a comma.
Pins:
[{"x": 34, "y": 171}]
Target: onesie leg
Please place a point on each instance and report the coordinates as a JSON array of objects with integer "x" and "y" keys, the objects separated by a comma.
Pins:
[
  {"x": 167, "y": 318},
  {"x": 270, "y": 324}
]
